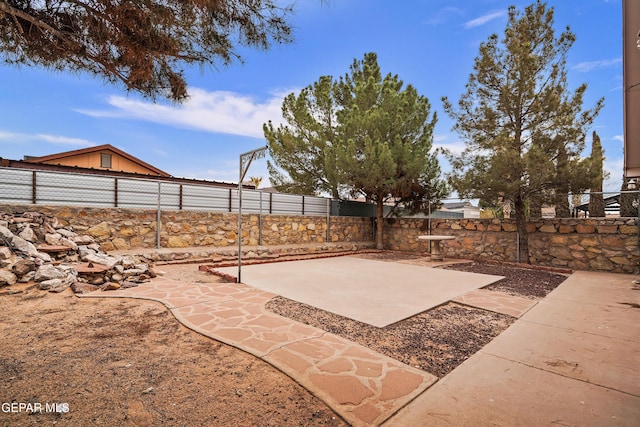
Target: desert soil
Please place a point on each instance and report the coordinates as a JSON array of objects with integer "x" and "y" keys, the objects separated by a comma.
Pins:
[{"x": 129, "y": 362}]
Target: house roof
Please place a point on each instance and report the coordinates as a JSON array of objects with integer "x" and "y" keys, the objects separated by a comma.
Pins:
[
  {"x": 99, "y": 148},
  {"x": 23, "y": 164}
]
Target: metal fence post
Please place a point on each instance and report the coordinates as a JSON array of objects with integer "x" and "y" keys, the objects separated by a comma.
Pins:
[
  {"x": 260, "y": 222},
  {"x": 328, "y": 219},
  {"x": 158, "y": 219}
]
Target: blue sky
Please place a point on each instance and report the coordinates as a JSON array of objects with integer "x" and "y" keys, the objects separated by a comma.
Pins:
[{"x": 428, "y": 43}]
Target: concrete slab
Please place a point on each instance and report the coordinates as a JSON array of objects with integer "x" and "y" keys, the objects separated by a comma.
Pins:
[
  {"x": 596, "y": 359},
  {"x": 375, "y": 292},
  {"x": 487, "y": 390},
  {"x": 571, "y": 360}
]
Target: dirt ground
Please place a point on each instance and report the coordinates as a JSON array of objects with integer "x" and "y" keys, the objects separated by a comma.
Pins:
[
  {"x": 122, "y": 362},
  {"x": 129, "y": 362}
]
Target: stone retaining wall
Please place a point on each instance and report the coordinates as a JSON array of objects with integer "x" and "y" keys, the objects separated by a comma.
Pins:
[
  {"x": 582, "y": 244},
  {"x": 122, "y": 229}
]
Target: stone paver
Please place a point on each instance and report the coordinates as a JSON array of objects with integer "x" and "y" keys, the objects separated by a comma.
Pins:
[{"x": 363, "y": 386}]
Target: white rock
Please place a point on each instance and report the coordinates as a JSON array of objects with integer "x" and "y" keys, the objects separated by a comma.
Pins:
[
  {"x": 7, "y": 278},
  {"x": 52, "y": 238},
  {"x": 45, "y": 257},
  {"x": 66, "y": 233},
  {"x": 5, "y": 252},
  {"x": 6, "y": 233},
  {"x": 28, "y": 234},
  {"x": 23, "y": 246},
  {"x": 68, "y": 243},
  {"x": 47, "y": 272}
]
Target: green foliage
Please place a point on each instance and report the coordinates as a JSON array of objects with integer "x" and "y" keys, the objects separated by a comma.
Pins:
[
  {"x": 142, "y": 44},
  {"x": 596, "y": 201},
  {"x": 387, "y": 129},
  {"x": 302, "y": 147},
  {"x": 365, "y": 134},
  {"x": 524, "y": 129}
]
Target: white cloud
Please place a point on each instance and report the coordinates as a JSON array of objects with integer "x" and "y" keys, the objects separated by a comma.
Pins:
[
  {"x": 456, "y": 147},
  {"x": 619, "y": 138},
  {"x": 441, "y": 16},
  {"x": 481, "y": 20},
  {"x": 584, "y": 67},
  {"x": 64, "y": 140},
  {"x": 10, "y": 135},
  {"x": 217, "y": 111}
]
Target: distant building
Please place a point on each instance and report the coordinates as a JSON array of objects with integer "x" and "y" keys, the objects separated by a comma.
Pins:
[{"x": 103, "y": 157}]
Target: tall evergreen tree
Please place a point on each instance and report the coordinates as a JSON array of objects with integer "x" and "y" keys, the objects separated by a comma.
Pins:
[
  {"x": 300, "y": 148},
  {"x": 388, "y": 133},
  {"x": 524, "y": 129},
  {"x": 596, "y": 198},
  {"x": 365, "y": 133}
]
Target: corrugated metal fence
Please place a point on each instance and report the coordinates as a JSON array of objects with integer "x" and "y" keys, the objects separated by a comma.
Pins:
[{"x": 68, "y": 189}]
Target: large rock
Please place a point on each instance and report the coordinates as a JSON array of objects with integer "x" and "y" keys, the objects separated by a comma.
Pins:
[
  {"x": 47, "y": 272},
  {"x": 83, "y": 288},
  {"x": 6, "y": 233},
  {"x": 53, "y": 285},
  {"x": 7, "y": 278},
  {"x": 5, "y": 253},
  {"x": 103, "y": 259},
  {"x": 23, "y": 246},
  {"x": 24, "y": 266},
  {"x": 28, "y": 234}
]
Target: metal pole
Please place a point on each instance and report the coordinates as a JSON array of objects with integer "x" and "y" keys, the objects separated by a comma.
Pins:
[
  {"x": 260, "y": 222},
  {"x": 239, "y": 237},
  {"x": 429, "y": 221},
  {"x": 247, "y": 157},
  {"x": 158, "y": 219},
  {"x": 328, "y": 220}
]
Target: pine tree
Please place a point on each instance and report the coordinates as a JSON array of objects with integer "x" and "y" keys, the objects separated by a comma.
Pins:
[
  {"x": 523, "y": 128},
  {"x": 366, "y": 134},
  {"x": 388, "y": 132},
  {"x": 141, "y": 44},
  {"x": 596, "y": 198},
  {"x": 300, "y": 149}
]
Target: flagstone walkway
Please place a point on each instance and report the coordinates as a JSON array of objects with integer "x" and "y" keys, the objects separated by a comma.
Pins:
[{"x": 361, "y": 385}]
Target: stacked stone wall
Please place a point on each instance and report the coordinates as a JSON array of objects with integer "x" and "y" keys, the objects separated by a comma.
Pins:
[
  {"x": 600, "y": 244},
  {"x": 121, "y": 229},
  {"x": 582, "y": 244}
]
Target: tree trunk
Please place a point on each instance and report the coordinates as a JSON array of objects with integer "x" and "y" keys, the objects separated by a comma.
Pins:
[
  {"x": 379, "y": 223},
  {"x": 523, "y": 235}
]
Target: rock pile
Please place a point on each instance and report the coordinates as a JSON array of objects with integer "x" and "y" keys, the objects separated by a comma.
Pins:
[{"x": 37, "y": 247}]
